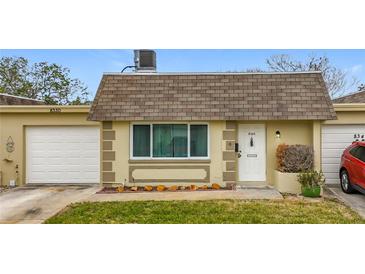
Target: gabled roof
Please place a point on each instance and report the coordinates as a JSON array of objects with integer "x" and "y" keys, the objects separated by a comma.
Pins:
[
  {"x": 355, "y": 98},
  {"x": 212, "y": 96},
  {"x": 7, "y": 99}
]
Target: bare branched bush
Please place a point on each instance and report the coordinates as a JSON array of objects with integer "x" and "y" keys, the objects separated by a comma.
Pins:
[{"x": 295, "y": 158}]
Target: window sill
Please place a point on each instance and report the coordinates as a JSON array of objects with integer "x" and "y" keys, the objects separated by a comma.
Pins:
[{"x": 172, "y": 161}]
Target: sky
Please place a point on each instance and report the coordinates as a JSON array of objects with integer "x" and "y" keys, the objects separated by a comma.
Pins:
[{"x": 88, "y": 65}]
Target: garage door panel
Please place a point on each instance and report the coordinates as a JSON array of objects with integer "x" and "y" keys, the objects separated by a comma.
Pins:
[
  {"x": 336, "y": 145},
  {"x": 64, "y": 154},
  {"x": 356, "y": 128},
  {"x": 329, "y": 161},
  {"x": 339, "y": 138},
  {"x": 332, "y": 153},
  {"x": 332, "y": 181},
  {"x": 332, "y": 168},
  {"x": 335, "y": 138}
]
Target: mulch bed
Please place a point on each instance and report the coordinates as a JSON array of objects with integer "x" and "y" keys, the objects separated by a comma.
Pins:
[{"x": 110, "y": 190}]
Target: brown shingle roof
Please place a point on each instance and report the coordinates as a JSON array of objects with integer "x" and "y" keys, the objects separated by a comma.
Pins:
[
  {"x": 6, "y": 99},
  {"x": 212, "y": 96},
  {"x": 358, "y": 97}
]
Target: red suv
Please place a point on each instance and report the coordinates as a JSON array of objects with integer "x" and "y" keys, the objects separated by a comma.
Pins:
[{"x": 352, "y": 171}]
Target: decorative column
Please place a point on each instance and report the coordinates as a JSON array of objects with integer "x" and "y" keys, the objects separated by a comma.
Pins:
[
  {"x": 229, "y": 155},
  {"x": 108, "y": 156},
  {"x": 317, "y": 144}
]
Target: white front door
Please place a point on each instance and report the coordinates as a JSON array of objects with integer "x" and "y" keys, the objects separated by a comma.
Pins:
[{"x": 252, "y": 147}]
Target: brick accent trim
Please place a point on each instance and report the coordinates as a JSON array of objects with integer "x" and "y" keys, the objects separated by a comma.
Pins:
[
  {"x": 108, "y": 154},
  {"x": 229, "y": 155}
]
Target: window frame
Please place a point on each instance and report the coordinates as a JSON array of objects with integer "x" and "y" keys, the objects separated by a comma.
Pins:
[{"x": 131, "y": 157}]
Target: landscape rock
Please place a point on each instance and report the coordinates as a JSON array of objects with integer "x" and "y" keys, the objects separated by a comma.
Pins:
[
  {"x": 172, "y": 188},
  {"x": 134, "y": 188},
  {"x": 193, "y": 187},
  {"x": 216, "y": 186},
  {"x": 160, "y": 188},
  {"x": 204, "y": 187},
  {"x": 120, "y": 189},
  {"x": 148, "y": 188}
]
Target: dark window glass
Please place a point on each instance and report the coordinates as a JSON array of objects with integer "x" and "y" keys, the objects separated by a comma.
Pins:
[
  {"x": 361, "y": 153},
  {"x": 353, "y": 151},
  {"x": 198, "y": 140},
  {"x": 141, "y": 141},
  {"x": 170, "y": 140}
]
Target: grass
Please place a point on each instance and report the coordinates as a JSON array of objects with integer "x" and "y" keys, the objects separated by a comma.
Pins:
[{"x": 208, "y": 212}]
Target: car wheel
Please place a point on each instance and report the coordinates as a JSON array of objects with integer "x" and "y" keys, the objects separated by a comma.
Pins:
[{"x": 345, "y": 182}]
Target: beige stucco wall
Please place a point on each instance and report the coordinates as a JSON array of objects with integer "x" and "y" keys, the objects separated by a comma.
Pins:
[
  {"x": 347, "y": 118},
  {"x": 292, "y": 132},
  {"x": 13, "y": 123},
  {"x": 167, "y": 170}
]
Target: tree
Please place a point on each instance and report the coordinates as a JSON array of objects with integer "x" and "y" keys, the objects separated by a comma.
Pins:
[
  {"x": 337, "y": 80},
  {"x": 51, "y": 83},
  {"x": 361, "y": 88}
]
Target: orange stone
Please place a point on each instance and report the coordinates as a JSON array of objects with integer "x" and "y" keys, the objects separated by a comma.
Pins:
[
  {"x": 148, "y": 188},
  {"x": 160, "y": 188},
  {"x": 216, "y": 186},
  {"x": 172, "y": 188},
  {"x": 193, "y": 187},
  {"x": 203, "y": 187},
  {"x": 120, "y": 189}
]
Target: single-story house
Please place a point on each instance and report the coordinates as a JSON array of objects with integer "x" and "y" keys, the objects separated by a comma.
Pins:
[{"x": 177, "y": 128}]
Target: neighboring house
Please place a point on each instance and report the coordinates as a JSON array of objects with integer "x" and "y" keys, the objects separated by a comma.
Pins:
[
  {"x": 7, "y": 99},
  {"x": 357, "y": 97},
  {"x": 183, "y": 127},
  {"x": 177, "y": 128}
]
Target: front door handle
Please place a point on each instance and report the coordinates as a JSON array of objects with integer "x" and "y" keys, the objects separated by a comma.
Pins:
[{"x": 239, "y": 154}]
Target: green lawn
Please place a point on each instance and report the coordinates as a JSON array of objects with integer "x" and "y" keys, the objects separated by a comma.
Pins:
[{"x": 207, "y": 212}]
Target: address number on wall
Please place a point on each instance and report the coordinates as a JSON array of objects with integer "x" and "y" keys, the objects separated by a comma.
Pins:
[{"x": 54, "y": 110}]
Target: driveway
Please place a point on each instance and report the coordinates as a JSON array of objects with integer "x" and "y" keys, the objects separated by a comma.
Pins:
[
  {"x": 356, "y": 201},
  {"x": 31, "y": 205}
]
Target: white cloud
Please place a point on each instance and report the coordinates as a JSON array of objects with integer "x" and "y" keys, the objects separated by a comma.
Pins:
[{"x": 356, "y": 68}]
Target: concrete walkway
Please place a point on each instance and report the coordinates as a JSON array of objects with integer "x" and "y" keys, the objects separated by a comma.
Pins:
[
  {"x": 355, "y": 201},
  {"x": 260, "y": 193},
  {"x": 30, "y": 205}
]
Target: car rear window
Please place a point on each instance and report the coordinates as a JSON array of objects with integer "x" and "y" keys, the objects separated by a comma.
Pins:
[
  {"x": 361, "y": 153},
  {"x": 353, "y": 151},
  {"x": 358, "y": 152}
]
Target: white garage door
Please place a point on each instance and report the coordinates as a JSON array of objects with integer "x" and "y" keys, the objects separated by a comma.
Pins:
[
  {"x": 62, "y": 155},
  {"x": 335, "y": 138}
]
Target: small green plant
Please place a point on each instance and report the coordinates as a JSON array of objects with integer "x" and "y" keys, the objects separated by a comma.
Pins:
[{"x": 311, "y": 179}]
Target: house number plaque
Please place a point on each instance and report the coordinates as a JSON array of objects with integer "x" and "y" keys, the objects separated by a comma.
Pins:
[
  {"x": 359, "y": 137},
  {"x": 55, "y": 110}
]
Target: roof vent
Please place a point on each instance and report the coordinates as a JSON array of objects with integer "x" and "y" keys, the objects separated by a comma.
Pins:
[{"x": 145, "y": 60}]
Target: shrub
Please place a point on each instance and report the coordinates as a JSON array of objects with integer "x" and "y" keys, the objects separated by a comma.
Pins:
[
  {"x": 311, "y": 178},
  {"x": 294, "y": 158},
  {"x": 280, "y": 156}
]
